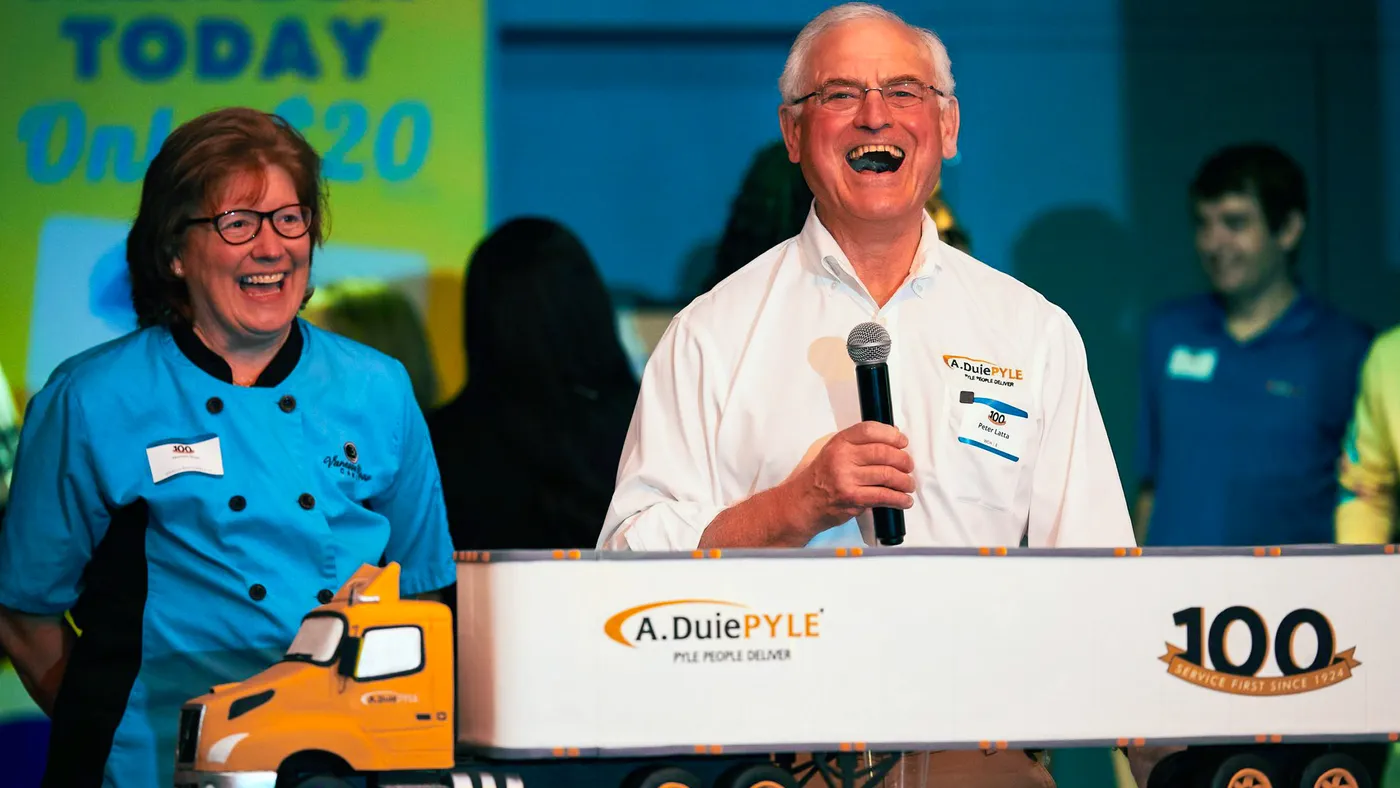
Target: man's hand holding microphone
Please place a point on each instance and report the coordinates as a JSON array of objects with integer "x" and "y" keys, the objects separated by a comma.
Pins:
[{"x": 864, "y": 466}]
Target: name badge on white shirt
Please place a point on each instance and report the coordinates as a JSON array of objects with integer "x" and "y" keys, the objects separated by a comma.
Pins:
[
  {"x": 1191, "y": 365},
  {"x": 995, "y": 427},
  {"x": 173, "y": 458}
]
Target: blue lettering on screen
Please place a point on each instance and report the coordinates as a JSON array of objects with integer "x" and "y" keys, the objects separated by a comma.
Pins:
[
  {"x": 420, "y": 122},
  {"x": 152, "y": 49},
  {"x": 86, "y": 34},
  {"x": 118, "y": 144},
  {"x": 290, "y": 52},
  {"x": 355, "y": 43},
  {"x": 38, "y": 129},
  {"x": 59, "y": 137},
  {"x": 156, "y": 48},
  {"x": 223, "y": 48},
  {"x": 350, "y": 122}
]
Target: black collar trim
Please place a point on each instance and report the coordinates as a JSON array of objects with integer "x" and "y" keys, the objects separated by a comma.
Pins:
[{"x": 212, "y": 363}]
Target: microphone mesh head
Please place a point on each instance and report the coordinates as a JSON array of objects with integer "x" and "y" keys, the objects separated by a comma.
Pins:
[{"x": 868, "y": 343}]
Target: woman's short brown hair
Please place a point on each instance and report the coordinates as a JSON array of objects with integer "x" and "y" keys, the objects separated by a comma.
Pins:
[{"x": 186, "y": 179}]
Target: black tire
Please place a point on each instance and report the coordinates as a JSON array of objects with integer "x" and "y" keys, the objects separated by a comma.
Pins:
[
  {"x": 1247, "y": 770},
  {"x": 662, "y": 777},
  {"x": 1175, "y": 771},
  {"x": 323, "y": 781},
  {"x": 1336, "y": 770},
  {"x": 757, "y": 775},
  {"x": 314, "y": 770}
]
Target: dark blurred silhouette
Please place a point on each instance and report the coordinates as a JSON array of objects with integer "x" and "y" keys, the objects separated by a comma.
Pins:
[
  {"x": 771, "y": 207},
  {"x": 1081, "y": 258},
  {"x": 528, "y": 451}
]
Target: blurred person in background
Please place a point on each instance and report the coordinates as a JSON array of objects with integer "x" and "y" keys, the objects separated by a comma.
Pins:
[
  {"x": 949, "y": 230},
  {"x": 384, "y": 318},
  {"x": 1370, "y": 461},
  {"x": 1246, "y": 389},
  {"x": 1246, "y": 394},
  {"x": 771, "y": 206},
  {"x": 1366, "y": 511},
  {"x": 528, "y": 451},
  {"x": 189, "y": 491}
]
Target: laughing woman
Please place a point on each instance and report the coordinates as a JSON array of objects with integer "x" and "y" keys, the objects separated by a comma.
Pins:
[{"x": 189, "y": 491}]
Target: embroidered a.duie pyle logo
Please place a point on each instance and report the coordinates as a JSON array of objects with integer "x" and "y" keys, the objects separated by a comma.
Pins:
[
  {"x": 980, "y": 371},
  {"x": 1208, "y": 662},
  {"x": 348, "y": 462}
]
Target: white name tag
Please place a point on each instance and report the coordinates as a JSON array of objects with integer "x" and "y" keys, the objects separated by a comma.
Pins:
[
  {"x": 996, "y": 427},
  {"x": 1191, "y": 365},
  {"x": 170, "y": 459}
]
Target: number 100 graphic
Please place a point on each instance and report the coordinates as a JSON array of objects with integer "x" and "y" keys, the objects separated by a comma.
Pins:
[{"x": 1207, "y": 660}]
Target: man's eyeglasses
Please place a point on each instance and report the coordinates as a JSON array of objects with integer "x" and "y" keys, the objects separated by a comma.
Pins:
[
  {"x": 844, "y": 97},
  {"x": 240, "y": 227}
]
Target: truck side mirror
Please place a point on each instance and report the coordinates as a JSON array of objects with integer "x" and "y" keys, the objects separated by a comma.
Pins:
[{"x": 349, "y": 656}]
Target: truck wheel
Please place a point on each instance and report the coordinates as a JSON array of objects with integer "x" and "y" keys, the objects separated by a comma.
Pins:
[
  {"x": 662, "y": 777},
  {"x": 757, "y": 775},
  {"x": 1335, "y": 770},
  {"x": 1247, "y": 771},
  {"x": 323, "y": 781}
]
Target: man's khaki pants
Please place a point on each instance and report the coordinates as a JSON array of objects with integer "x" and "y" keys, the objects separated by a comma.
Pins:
[{"x": 955, "y": 769}]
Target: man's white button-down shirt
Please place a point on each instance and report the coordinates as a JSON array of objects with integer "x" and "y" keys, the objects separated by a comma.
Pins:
[{"x": 988, "y": 379}]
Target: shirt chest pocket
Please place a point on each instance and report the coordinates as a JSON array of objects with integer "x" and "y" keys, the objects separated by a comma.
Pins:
[{"x": 984, "y": 443}]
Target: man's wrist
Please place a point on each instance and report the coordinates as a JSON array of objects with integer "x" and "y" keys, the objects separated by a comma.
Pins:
[
  {"x": 790, "y": 514},
  {"x": 775, "y": 517}
]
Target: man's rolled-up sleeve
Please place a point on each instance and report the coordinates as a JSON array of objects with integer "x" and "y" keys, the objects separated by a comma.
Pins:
[
  {"x": 1076, "y": 493},
  {"x": 666, "y": 487}
]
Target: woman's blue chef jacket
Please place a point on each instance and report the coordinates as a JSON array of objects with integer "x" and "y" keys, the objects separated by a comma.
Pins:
[{"x": 189, "y": 524}]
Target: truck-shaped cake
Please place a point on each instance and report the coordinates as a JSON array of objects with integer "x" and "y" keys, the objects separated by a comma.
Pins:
[{"x": 773, "y": 668}]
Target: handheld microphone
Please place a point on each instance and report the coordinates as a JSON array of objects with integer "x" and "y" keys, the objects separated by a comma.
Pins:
[{"x": 869, "y": 347}]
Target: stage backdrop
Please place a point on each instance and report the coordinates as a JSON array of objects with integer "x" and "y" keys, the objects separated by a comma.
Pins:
[{"x": 391, "y": 93}]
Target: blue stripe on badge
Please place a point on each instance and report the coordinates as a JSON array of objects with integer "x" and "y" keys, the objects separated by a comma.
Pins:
[
  {"x": 1010, "y": 410},
  {"x": 997, "y": 452}
]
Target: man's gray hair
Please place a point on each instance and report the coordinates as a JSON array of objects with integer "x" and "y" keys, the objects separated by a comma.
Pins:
[{"x": 795, "y": 70}]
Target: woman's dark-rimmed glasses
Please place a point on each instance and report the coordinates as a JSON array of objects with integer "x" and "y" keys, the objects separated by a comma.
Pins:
[{"x": 242, "y": 226}]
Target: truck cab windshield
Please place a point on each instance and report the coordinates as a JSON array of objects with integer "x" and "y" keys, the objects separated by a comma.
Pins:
[{"x": 317, "y": 640}]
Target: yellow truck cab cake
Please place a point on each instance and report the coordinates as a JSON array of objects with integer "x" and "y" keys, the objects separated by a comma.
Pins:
[{"x": 357, "y": 687}]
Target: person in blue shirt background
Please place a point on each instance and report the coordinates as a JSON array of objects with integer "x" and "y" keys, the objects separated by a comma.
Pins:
[
  {"x": 1246, "y": 390},
  {"x": 1246, "y": 395},
  {"x": 189, "y": 491}
]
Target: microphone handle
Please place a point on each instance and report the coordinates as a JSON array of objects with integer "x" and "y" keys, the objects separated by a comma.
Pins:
[{"x": 873, "y": 383}]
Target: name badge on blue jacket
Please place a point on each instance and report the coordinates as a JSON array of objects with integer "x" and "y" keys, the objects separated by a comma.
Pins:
[{"x": 199, "y": 455}]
